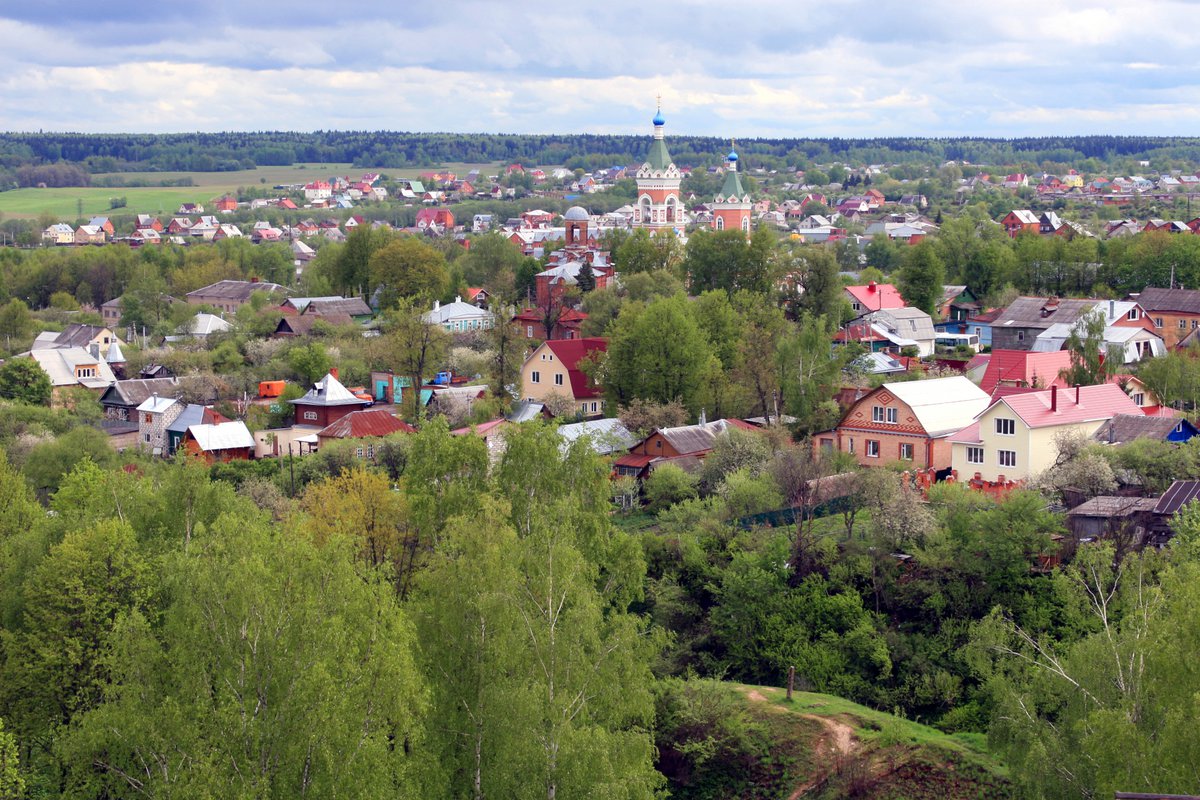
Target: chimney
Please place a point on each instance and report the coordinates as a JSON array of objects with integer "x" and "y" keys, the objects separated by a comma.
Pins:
[
  {"x": 458, "y": 298},
  {"x": 334, "y": 372},
  {"x": 255, "y": 280},
  {"x": 871, "y": 286},
  {"x": 1077, "y": 394},
  {"x": 1112, "y": 309},
  {"x": 94, "y": 349},
  {"x": 1054, "y": 398},
  {"x": 437, "y": 304},
  {"x": 703, "y": 417}
]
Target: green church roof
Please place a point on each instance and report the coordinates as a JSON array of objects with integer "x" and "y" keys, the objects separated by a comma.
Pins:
[
  {"x": 658, "y": 158},
  {"x": 733, "y": 185}
]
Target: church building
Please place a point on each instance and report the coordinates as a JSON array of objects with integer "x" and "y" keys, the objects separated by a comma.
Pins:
[
  {"x": 658, "y": 205},
  {"x": 731, "y": 207}
]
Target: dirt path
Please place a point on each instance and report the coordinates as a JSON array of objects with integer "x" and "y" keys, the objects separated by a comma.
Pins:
[{"x": 839, "y": 740}]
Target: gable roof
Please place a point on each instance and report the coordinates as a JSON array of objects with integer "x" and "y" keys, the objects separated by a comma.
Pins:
[
  {"x": 157, "y": 405},
  {"x": 60, "y": 364},
  {"x": 1025, "y": 368},
  {"x": 302, "y": 325},
  {"x": 328, "y": 391},
  {"x": 604, "y": 435},
  {"x": 1127, "y": 427},
  {"x": 368, "y": 422},
  {"x": 74, "y": 335},
  {"x": 700, "y": 438},
  {"x": 136, "y": 391},
  {"x": 1095, "y": 403},
  {"x": 235, "y": 290},
  {"x": 570, "y": 352},
  {"x": 194, "y": 414},
  {"x": 1186, "y": 301},
  {"x": 1041, "y": 312},
  {"x": 941, "y": 405},
  {"x": 876, "y": 296},
  {"x": 221, "y": 436},
  {"x": 352, "y": 306}
]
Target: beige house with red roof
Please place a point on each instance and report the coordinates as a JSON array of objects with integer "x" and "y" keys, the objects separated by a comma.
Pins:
[
  {"x": 1013, "y": 438},
  {"x": 553, "y": 370}
]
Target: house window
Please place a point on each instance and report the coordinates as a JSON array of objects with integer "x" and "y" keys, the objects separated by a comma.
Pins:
[
  {"x": 882, "y": 414},
  {"x": 827, "y": 445},
  {"x": 849, "y": 445},
  {"x": 558, "y": 379},
  {"x": 593, "y": 408},
  {"x": 979, "y": 331},
  {"x": 310, "y": 415},
  {"x": 906, "y": 451},
  {"x": 1006, "y": 427},
  {"x": 358, "y": 451},
  {"x": 85, "y": 372},
  {"x": 1139, "y": 398},
  {"x": 974, "y": 455},
  {"x": 872, "y": 448},
  {"x": 1020, "y": 336},
  {"x": 1008, "y": 458},
  {"x": 1133, "y": 314},
  {"x": 147, "y": 418},
  {"x": 528, "y": 331},
  {"x": 1158, "y": 322},
  {"x": 535, "y": 377},
  {"x": 145, "y": 437},
  {"x": 1183, "y": 324}
]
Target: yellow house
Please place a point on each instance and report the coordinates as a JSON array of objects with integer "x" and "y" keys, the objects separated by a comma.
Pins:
[
  {"x": 553, "y": 370},
  {"x": 1013, "y": 438},
  {"x": 1072, "y": 180}
]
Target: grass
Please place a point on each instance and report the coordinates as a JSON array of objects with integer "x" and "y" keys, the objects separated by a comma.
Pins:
[
  {"x": 64, "y": 203},
  {"x": 885, "y": 729}
]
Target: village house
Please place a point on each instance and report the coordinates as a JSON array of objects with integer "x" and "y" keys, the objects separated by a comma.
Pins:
[
  {"x": 220, "y": 442},
  {"x": 1174, "y": 312},
  {"x": 459, "y": 317},
  {"x": 1124, "y": 428},
  {"x": 1025, "y": 369},
  {"x": 71, "y": 368},
  {"x": 891, "y": 330},
  {"x": 1018, "y": 326},
  {"x": 685, "y": 446},
  {"x": 60, "y": 233},
  {"x": 554, "y": 370},
  {"x": 77, "y": 335},
  {"x": 326, "y": 402},
  {"x": 154, "y": 414},
  {"x": 230, "y": 295},
  {"x": 440, "y": 219},
  {"x": 1021, "y": 221},
  {"x": 873, "y": 297},
  {"x": 121, "y": 400},
  {"x": 1013, "y": 439},
  {"x": 371, "y": 423},
  {"x": 192, "y": 414},
  {"x": 90, "y": 234},
  {"x": 908, "y": 422}
]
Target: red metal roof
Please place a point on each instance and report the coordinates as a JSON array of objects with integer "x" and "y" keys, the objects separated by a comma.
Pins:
[
  {"x": 1024, "y": 368},
  {"x": 483, "y": 429},
  {"x": 876, "y": 296},
  {"x": 1095, "y": 403},
  {"x": 361, "y": 424},
  {"x": 633, "y": 460},
  {"x": 570, "y": 352}
]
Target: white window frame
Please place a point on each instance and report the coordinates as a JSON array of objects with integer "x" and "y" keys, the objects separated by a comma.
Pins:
[
  {"x": 1005, "y": 426},
  {"x": 1009, "y": 455},
  {"x": 558, "y": 379},
  {"x": 872, "y": 450},
  {"x": 535, "y": 377},
  {"x": 911, "y": 451},
  {"x": 974, "y": 454}
]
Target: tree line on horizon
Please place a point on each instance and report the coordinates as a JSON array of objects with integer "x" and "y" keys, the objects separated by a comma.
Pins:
[{"x": 229, "y": 151}]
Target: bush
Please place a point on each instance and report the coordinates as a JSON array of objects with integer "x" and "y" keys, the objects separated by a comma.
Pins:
[{"x": 667, "y": 485}]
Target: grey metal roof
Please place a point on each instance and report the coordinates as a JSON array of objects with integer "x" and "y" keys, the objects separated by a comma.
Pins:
[
  {"x": 604, "y": 435},
  {"x": 235, "y": 290},
  {"x": 1179, "y": 495},
  {"x": 1041, "y": 312},
  {"x": 1112, "y": 506},
  {"x": 136, "y": 391}
]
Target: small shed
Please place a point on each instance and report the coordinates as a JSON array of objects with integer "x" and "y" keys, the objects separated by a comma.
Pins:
[{"x": 1107, "y": 516}]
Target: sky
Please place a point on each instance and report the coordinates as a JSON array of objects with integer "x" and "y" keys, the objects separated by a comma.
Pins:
[{"x": 772, "y": 68}]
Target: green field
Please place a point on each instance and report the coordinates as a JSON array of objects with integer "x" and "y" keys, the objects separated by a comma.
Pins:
[{"x": 64, "y": 203}]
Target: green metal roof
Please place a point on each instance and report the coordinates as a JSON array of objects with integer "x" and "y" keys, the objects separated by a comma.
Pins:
[
  {"x": 733, "y": 185},
  {"x": 658, "y": 158}
]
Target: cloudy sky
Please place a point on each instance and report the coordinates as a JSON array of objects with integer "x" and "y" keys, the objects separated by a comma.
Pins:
[{"x": 731, "y": 68}]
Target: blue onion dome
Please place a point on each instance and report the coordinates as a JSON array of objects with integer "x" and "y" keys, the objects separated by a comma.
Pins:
[
  {"x": 733, "y": 156},
  {"x": 658, "y": 118}
]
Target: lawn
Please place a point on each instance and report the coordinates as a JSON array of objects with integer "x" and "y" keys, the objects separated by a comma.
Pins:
[{"x": 71, "y": 203}]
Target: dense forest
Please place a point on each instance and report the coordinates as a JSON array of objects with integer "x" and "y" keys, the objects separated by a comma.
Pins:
[{"x": 207, "y": 152}]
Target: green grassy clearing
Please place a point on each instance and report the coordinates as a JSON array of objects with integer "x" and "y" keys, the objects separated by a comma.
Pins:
[{"x": 63, "y": 203}]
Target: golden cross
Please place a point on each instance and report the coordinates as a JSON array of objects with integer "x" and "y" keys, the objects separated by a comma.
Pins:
[
  {"x": 659, "y": 98},
  {"x": 732, "y": 144}
]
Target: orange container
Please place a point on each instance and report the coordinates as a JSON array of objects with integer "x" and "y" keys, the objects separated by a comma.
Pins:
[{"x": 271, "y": 388}]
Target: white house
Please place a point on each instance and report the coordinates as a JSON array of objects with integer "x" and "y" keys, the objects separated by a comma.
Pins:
[{"x": 459, "y": 317}]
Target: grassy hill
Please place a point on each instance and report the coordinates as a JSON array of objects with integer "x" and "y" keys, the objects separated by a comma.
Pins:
[{"x": 816, "y": 746}]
